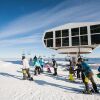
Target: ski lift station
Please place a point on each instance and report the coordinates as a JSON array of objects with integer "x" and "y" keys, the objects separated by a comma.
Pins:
[{"x": 73, "y": 38}]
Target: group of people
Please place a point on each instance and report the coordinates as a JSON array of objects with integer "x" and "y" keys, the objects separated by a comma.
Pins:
[
  {"x": 38, "y": 64},
  {"x": 54, "y": 66},
  {"x": 83, "y": 70},
  {"x": 85, "y": 73}
]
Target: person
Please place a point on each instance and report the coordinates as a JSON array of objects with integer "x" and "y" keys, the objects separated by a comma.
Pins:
[
  {"x": 25, "y": 68},
  {"x": 54, "y": 66},
  {"x": 71, "y": 71},
  {"x": 87, "y": 75},
  {"x": 37, "y": 67},
  {"x": 78, "y": 71},
  {"x": 41, "y": 63},
  {"x": 34, "y": 60},
  {"x": 48, "y": 68}
]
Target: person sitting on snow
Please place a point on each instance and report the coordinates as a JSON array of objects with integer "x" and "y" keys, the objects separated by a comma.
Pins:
[{"x": 48, "y": 68}]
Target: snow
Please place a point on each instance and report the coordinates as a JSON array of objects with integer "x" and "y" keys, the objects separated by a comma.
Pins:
[{"x": 44, "y": 87}]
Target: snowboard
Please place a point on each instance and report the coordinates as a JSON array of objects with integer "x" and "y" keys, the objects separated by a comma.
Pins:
[
  {"x": 30, "y": 79},
  {"x": 87, "y": 92}
]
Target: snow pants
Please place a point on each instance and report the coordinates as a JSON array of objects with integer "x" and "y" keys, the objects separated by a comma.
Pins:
[
  {"x": 55, "y": 71},
  {"x": 78, "y": 73},
  {"x": 37, "y": 70},
  {"x": 26, "y": 73},
  {"x": 87, "y": 85}
]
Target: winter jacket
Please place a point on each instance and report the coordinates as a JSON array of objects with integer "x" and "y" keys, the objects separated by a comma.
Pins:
[
  {"x": 25, "y": 63},
  {"x": 86, "y": 69},
  {"x": 71, "y": 70},
  {"x": 55, "y": 64},
  {"x": 41, "y": 62},
  {"x": 37, "y": 64}
]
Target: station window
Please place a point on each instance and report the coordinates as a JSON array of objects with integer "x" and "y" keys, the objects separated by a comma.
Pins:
[
  {"x": 95, "y": 39},
  {"x": 48, "y": 35},
  {"x": 65, "y": 33},
  {"x": 50, "y": 43},
  {"x": 65, "y": 41},
  {"x": 95, "y": 28},
  {"x": 75, "y": 41},
  {"x": 84, "y": 40},
  {"x": 83, "y": 30},
  {"x": 58, "y": 42},
  {"x": 58, "y": 33},
  {"x": 75, "y": 31}
]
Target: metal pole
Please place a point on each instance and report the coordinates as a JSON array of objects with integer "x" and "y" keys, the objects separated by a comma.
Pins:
[{"x": 79, "y": 44}]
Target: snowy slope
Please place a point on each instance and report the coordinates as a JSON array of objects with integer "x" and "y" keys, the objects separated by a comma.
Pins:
[{"x": 45, "y": 86}]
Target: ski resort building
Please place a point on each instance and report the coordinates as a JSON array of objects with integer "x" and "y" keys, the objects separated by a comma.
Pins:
[{"x": 73, "y": 38}]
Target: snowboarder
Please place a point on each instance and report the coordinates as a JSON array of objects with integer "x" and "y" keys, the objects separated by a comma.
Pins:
[
  {"x": 71, "y": 71},
  {"x": 41, "y": 63},
  {"x": 25, "y": 69},
  {"x": 87, "y": 74},
  {"x": 54, "y": 66},
  {"x": 37, "y": 67},
  {"x": 78, "y": 71}
]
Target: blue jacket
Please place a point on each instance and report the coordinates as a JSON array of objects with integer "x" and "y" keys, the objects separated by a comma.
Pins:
[
  {"x": 34, "y": 61},
  {"x": 37, "y": 63},
  {"x": 41, "y": 62},
  {"x": 86, "y": 68}
]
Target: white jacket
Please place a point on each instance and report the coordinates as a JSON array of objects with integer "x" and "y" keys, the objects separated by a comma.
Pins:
[{"x": 25, "y": 63}]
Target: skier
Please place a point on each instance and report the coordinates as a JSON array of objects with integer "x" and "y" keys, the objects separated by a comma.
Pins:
[
  {"x": 87, "y": 75},
  {"x": 25, "y": 69},
  {"x": 54, "y": 66}
]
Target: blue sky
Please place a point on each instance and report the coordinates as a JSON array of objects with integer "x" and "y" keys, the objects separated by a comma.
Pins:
[{"x": 22, "y": 23}]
